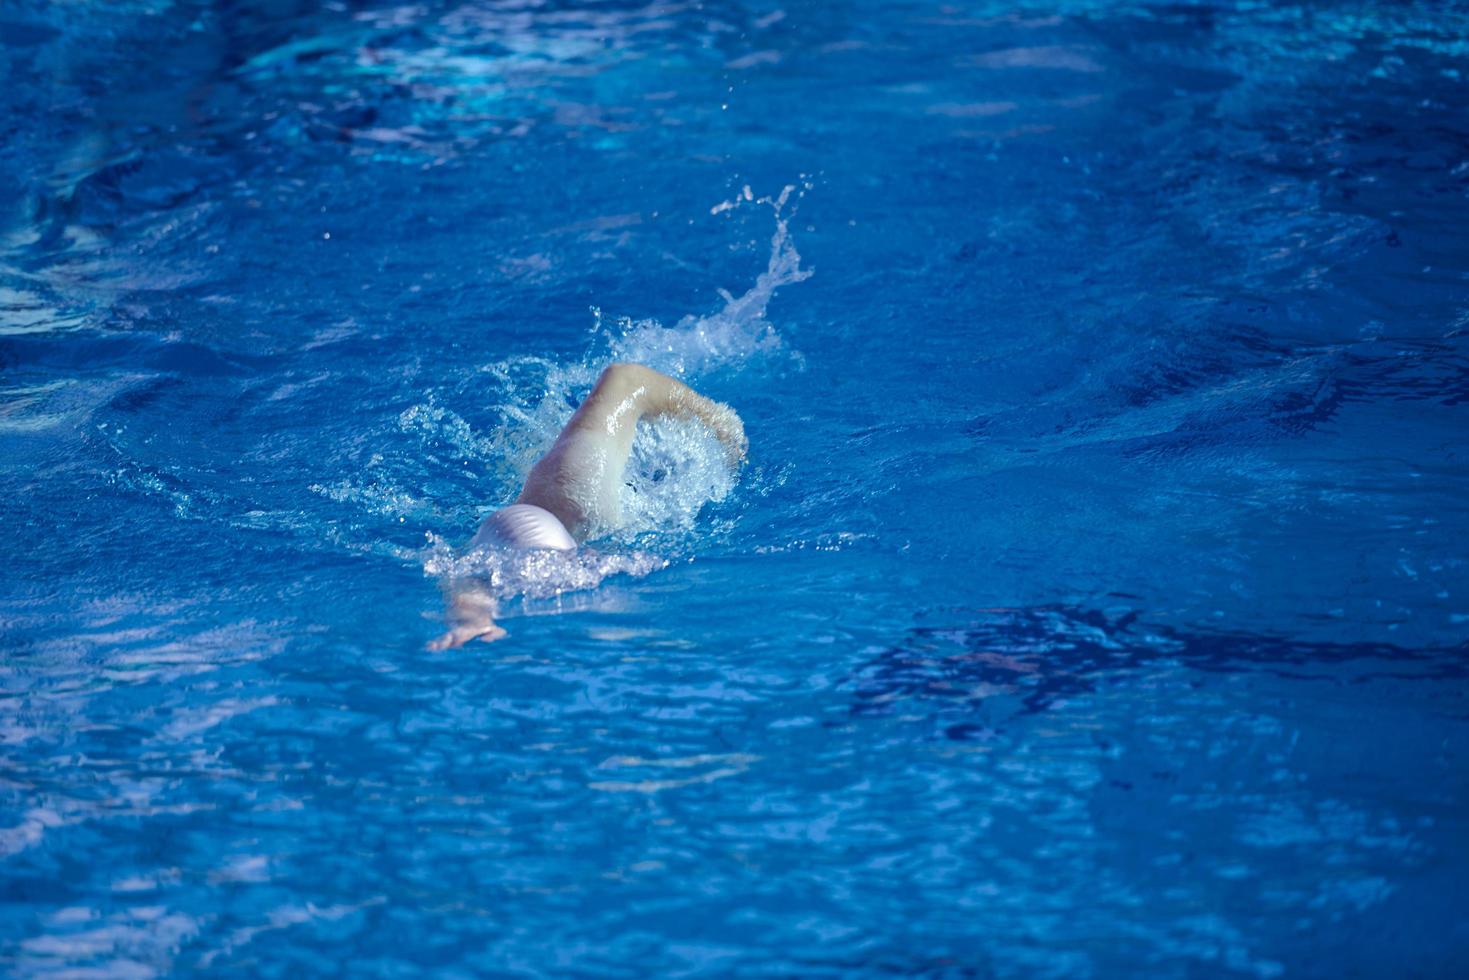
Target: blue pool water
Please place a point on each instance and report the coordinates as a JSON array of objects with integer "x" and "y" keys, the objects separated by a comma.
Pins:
[{"x": 1095, "y": 601}]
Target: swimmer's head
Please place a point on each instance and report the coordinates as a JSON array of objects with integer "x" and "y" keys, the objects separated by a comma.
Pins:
[{"x": 524, "y": 526}]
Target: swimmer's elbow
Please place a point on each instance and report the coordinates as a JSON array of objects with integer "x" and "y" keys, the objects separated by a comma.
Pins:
[
  {"x": 619, "y": 370},
  {"x": 626, "y": 374},
  {"x": 652, "y": 392}
]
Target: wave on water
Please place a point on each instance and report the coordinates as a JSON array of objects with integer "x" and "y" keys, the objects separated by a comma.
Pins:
[{"x": 677, "y": 466}]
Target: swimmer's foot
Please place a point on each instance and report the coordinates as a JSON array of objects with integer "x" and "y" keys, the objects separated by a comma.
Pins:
[{"x": 461, "y": 635}]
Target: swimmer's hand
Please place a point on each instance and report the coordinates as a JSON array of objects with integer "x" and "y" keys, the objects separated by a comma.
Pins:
[
  {"x": 729, "y": 430},
  {"x": 471, "y": 617},
  {"x": 460, "y": 635}
]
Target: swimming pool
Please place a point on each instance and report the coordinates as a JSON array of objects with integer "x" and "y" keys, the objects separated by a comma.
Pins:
[{"x": 1094, "y": 603}]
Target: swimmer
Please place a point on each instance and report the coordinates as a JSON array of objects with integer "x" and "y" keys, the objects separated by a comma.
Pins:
[{"x": 575, "y": 490}]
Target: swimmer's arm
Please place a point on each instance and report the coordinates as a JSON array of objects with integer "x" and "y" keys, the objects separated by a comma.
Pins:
[
  {"x": 471, "y": 617},
  {"x": 580, "y": 479},
  {"x": 650, "y": 394}
]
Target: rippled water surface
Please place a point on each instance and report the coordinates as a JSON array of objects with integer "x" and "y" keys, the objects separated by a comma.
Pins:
[{"x": 1095, "y": 601}]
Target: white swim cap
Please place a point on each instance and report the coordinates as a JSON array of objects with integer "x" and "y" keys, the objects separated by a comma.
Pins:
[{"x": 524, "y": 526}]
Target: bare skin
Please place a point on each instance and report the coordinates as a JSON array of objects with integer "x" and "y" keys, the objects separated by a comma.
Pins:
[{"x": 580, "y": 478}]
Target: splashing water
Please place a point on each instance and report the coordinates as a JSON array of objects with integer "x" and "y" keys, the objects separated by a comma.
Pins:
[
  {"x": 542, "y": 391},
  {"x": 535, "y": 574},
  {"x": 677, "y": 465},
  {"x": 737, "y": 332}
]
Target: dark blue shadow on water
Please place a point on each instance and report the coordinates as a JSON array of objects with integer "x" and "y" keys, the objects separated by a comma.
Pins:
[{"x": 1033, "y": 659}]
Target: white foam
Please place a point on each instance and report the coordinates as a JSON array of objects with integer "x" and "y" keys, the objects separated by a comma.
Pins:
[
  {"x": 535, "y": 573},
  {"x": 677, "y": 466}
]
